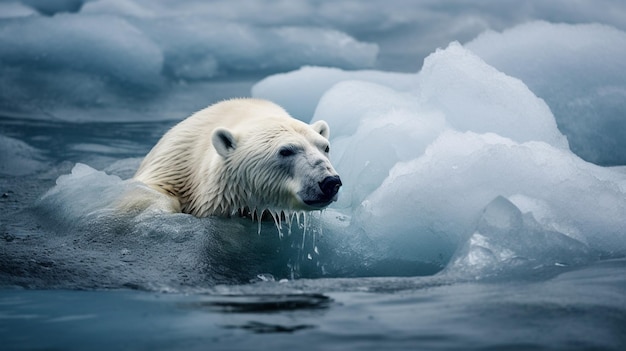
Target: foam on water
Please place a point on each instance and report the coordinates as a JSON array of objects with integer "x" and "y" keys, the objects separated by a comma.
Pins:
[
  {"x": 88, "y": 222},
  {"x": 90, "y": 243}
]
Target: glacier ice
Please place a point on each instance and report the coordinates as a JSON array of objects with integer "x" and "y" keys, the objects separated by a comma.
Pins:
[
  {"x": 423, "y": 165},
  {"x": 374, "y": 126},
  {"x": 477, "y": 97},
  {"x": 508, "y": 241},
  {"x": 439, "y": 195},
  {"x": 312, "y": 82},
  {"x": 579, "y": 70}
]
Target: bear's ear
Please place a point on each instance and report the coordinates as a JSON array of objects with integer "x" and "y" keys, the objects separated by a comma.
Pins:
[
  {"x": 322, "y": 128},
  {"x": 223, "y": 141}
]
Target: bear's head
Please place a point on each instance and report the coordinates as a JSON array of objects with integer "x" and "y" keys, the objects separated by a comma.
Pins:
[{"x": 277, "y": 165}]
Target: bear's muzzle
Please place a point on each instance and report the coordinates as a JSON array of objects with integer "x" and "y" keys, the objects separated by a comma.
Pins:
[{"x": 330, "y": 186}]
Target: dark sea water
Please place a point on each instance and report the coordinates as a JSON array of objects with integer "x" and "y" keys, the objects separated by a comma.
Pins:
[
  {"x": 583, "y": 309},
  {"x": 74, "y": 280}
]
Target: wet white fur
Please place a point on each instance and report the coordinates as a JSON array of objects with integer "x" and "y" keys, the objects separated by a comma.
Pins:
[{"x": 222, "y": 160}]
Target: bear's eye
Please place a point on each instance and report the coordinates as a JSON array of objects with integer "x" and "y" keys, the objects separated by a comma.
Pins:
[{"x": 286, "y": 152}]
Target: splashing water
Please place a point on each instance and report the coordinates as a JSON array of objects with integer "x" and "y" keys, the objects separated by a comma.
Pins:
[
  {"x": 204, "y": 250},
  {"x": 309, "y": 225},
  {"x": 287, "y": 223}
]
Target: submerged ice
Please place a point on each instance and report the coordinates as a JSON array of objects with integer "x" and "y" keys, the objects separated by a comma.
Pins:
[{"x": 507, "y": 240}]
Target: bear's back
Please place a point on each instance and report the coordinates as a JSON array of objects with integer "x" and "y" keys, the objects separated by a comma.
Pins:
[
  {"x": 232, "y": 113},
  {"x": 186, "y": 150}
]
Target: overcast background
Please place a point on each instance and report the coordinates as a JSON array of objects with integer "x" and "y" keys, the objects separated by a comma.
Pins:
[
  {"x": 155, "y": 59},
  {"x": 405, "y": 30}
]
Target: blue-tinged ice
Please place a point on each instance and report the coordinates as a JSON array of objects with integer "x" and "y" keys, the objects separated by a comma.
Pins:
[
  {"x": 302, "y": 102},
  {"x": 426, "y": 166},
  {"x": 579, "y": 70},
  {"x": 507, "y": 241}
]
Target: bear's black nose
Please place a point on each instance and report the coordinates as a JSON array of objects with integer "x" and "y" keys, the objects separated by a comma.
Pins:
[{"x": 330, "y": 186}]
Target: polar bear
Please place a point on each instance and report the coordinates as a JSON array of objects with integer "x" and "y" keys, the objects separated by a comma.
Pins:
[{"x": 242, "y": 157}]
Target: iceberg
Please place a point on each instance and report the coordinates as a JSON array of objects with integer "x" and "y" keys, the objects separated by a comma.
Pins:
[
  {"x": 439, "y": 196},
  {"x": 579, "y": 70},
  {"x": 508, "y": 241},
  {"x": 314, "y": 81},
  {"x": 426, "y": 164}
]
